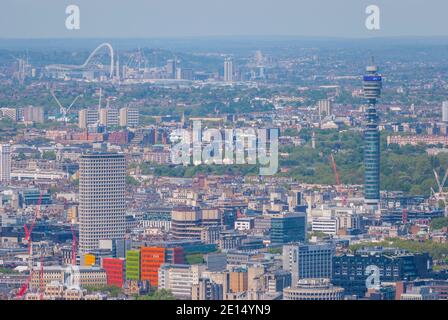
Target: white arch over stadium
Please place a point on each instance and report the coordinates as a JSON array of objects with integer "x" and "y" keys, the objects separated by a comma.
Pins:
[{"x": 94, "y": 52}]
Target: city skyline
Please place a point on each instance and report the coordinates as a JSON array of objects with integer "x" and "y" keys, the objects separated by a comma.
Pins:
[{"x": 152, "y": 150}]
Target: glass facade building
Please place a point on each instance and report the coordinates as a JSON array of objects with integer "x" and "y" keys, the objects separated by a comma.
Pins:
[
  {"x": 351, "y": 271},
  {"x": 288, "y": 227}
]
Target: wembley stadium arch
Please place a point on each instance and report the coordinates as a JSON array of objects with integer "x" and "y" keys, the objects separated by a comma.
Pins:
[{"x": 93, "y": 63}]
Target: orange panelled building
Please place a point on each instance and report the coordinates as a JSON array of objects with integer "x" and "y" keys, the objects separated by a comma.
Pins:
[{"x": 151, "y": 258}]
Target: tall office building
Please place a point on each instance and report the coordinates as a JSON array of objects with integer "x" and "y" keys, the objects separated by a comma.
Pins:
[
  {"x": 33, "y": 114},
  {"x": 295, "y": 199},
  {"x": 5, "y": 163},
  {"x": 372, "y": 91},
  {"x": 187, "y": 74},
  {"x": 87, "y": 117},
  {"x": 171, "y": 66},
  {"x": 129, "y": 117},
  {"x": 237, "y": 280},
  {"x": 288, "y": 227},
  {"x": 102, "y": 206},
  {"x": 324, "y": 107},
  {"x": 228, "y": 70},
  {"x": 178, "y": 73},
  {"x": 308, "y": 261},
  {"x": 189, "y": 222},
  {"x": 109, "y": 117},
  {"x": 445, "y": 111}
]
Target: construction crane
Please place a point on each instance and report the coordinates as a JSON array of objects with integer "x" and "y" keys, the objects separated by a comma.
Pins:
[
  {"x": 41, "y": 277},
  {"x": 335, "y": 170},
  {"x": 28, "y": 232},
  {"x": 62, "y": 109},
  {"x": 73, "y": 244},
  {"x": 440, "y": 195},
  {"x": 404, "y": 216},
  {"x": 98, "y": 122},
  {"x": 337, "y": 178}
]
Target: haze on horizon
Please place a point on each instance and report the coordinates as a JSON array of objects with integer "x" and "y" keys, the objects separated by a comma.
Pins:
[{"x": 204, "y": 18}]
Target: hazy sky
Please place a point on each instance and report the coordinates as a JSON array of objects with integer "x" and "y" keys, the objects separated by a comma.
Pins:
[{"x": 179, "y": 18}]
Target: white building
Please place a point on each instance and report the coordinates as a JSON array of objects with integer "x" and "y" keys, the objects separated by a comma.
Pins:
[
  {"x": 129, "y": 117},
  {"x": 243, "y": 224},
  {"x": 445, "y": 111},
  {"x": 5, "y": 163},
  {"x": 87, "y": 117},
  {"x": 180, "y": 278},
  {"x": 109, "y": 117},
  {"x": 11, "y": 113},
  {"x": 24, "y": 174},
  {"x": 228, "y": 70},
  {"x": 327, "y": 225},
  {"x": 330, "y": 220}
]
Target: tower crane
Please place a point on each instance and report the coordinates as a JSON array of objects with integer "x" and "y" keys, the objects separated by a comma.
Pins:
[
  {"x": 28, "y": 231},
  {"x": 41, "y": 277},
  {"x": 440, "y": 195},
  {"x": 62, "y": 109},
  {"x": 337, "y": 178},
  {"x": 73, "y": 244}
]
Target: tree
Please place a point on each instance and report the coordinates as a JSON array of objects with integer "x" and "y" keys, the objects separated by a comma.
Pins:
[
  {"x": 161, "y": 294},
  {"x": 290, "y": 132},
  {"x": 132, "y": 181},
  {"x": 194, "y": 258},
  {"x": 49, "y": 155},
  {"x": 112, "y": 290},
  {"x": 439, "y": 223},
  {"x": 21, "y": 156}
]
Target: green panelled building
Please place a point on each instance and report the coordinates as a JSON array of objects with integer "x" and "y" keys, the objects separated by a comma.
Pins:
[{"x": 133, "y": 265}]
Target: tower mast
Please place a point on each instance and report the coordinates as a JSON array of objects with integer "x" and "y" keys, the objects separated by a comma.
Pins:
[{"x": 372, "y": 86}]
